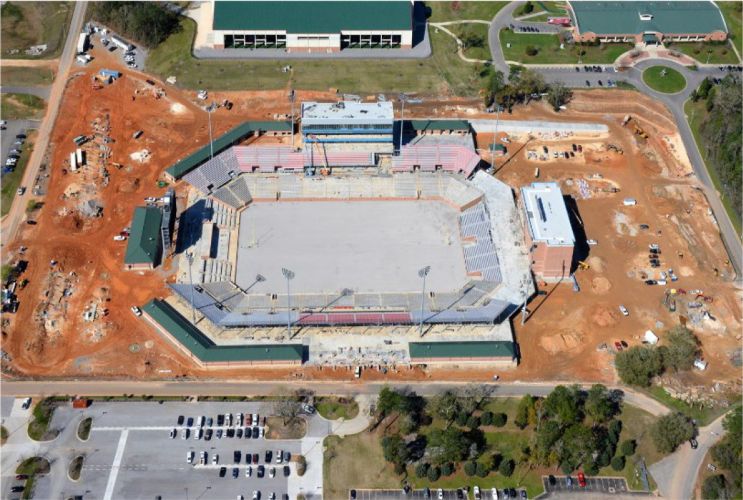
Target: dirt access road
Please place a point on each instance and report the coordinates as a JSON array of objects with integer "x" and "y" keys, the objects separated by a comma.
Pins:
[{"x": 49, "y": 337}]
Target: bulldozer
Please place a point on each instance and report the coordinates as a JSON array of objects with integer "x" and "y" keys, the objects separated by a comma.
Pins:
[
  {"x": 583, "y": 266},
  {"x": 639, "y": 131},
  {"x": 615, "y": 148}
]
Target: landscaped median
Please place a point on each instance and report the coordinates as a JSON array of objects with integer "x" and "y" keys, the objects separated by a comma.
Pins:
[
  {"x": 201, "y": 349},
  {"x": 664, "y": 79}
]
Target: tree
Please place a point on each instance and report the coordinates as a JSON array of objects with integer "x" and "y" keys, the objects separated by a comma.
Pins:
[
  {"x": 486, "y": 418},
  {"x": 522, "y": 412},
  {"x": 628, "y": 447},
  {"x": 462, "y": 418},
  {"x": 148, "y": 23},
  {"x": 558, "y": 95},
  {"x": 528, "y": 8},
  {"x": 549, "y": 433},
  {"x": 563, "y": 403},
  {"x": 473, "y": 422},
  {"x": 389, "y": 401},
  {"x": 671, "y": 430},
  {"x": 591, "y": 468},
  {"x": 578, "y": 443},
  {"x": 421, "y": 470},
  {"x": 447, "y": 469},
  {"x": 600, "y": 405},
  {"x": 704, "y": 88},
  {"x": 617, "y": 463},
  {"x": 727, "y": 453},
  {"x": 434, "y": 473},
  {"x": 493, "y": 87},
  {"x": 638, "y": 365},
  {"x": 445, "y": 405},
  {"x": 470, "y": 468},
  {"x": 506, "y": 467},
  {"x": 682, "y": 349},
  {"x": 482, "y": 470},
  {"x": 531, "y": 50},
  {"x": 288, "y": 409},
  {"x": 715, "y": 487},
  {"x": 395, "y": 450},
  {"x": 500, "y": 419},
  {"x": 615, "y": 429},
  {"x": 449, "y": 445}
]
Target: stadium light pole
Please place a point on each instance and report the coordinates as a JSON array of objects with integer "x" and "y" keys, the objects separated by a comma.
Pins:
[
  {"x": 189, "y": 257},
  {"x": 402, "y": 98},
  {"x": 211, "y": 141},
  {"x": 291, "y": 97},
  {"x": 289, "y": 275},
  {"x": 423, "y": 272}
]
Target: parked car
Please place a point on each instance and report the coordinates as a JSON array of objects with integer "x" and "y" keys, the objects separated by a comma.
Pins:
[
  {"x": 26, "y": 404},
  {"x": 287, "y": 471},
  {"x": 261, "y": 471},
  {"x": 189, "y": 457},
  {"x": 618, "y": 346},
  {"x": 138, "y": 312},
  {"x": 623, "y": 310},
  {"x": 235, "y": 472},
  {"x": 173, "y": 433},
  {"x": 694, "y": 444},
  {"x": 581, "y": 480},
  {"x": 20, "y": 191},
  {"x": 222, "y": 471},
  {"x": 236, "y": 456}
]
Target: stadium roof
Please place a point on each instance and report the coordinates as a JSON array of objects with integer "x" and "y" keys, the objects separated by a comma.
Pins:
[
  {"x": 207, "y": 351},
  {"x": 144, "y": 239},
  {"x": 610, "y": 18},
  {"x": 474, "y": 349},
  {"x": 199, "y": 156},
  {"x": 423, "y": 125},
  {"x": 546, "y": 214},
  {"x": 346, "y": 112},
  {"x": 313, "y": 17}
]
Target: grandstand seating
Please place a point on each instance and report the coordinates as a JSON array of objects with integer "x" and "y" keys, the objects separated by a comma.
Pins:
[
  {"x": 429, "y": 158},
  {"x": 479, "y": 256}
]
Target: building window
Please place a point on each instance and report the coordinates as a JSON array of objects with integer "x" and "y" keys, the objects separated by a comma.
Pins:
[
  {"x": 253, "y": 41},
  {"x": 370, "y": 41}
]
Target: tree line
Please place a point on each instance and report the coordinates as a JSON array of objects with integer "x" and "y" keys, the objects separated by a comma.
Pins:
[
  {"x": 522, "y": 86},
  {"x": 147, "y": 23},
  {"x": 727, "y": 455},
  {"x": 721, "y": 131}
]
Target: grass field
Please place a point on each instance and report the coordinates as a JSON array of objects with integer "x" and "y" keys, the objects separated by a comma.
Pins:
[
  {"x": 21, "y": 107},
  {"x": 703, "y": 416},
  {"x": 664, "y": 79},
  {"x": 549, "y": 51},
  {"x": 343, "y": 469},
  {"x": 549, "y": 9},
  {"x": 479, "y": 34},
  {"x": 15, "y": 76},
  {"x": 292, "y": 429},
  {"x": 715, "y": 53},
  {"x": 455, "y": 11},
  {"x": 12, "y": 180},
  {"x": 695, "y": 113},
  {"x": 38, "y": 428},
  {"x": 332, "y": 407},
  {"x": 732, "y": 11},
  {"x": 34, "y": 23},
  {"x": 443, "y": 72}
]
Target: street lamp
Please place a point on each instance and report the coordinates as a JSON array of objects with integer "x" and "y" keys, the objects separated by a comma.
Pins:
[
  {"x": 211, "y": 142},
  {"x": 402, "y": 98},
  {"x": 423, "y": 272},
  {"x": 289, "y": 275},
  {"x": 189, "y": 257}
]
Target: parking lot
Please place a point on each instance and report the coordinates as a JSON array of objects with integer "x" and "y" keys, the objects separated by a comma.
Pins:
[
  {"x": 562, "y": 487},
  {"x": 130, "y": 453},
  {"x": 433, "y": 493}
]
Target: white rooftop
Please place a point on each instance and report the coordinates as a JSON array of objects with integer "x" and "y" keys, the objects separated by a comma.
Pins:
[
  {"x": 347, "y": 111},
  {"x": 547, "y": 214}
]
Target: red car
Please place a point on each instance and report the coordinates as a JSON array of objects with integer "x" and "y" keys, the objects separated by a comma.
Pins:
[
  {"x": 581, "y": 480},
  {"x": 618, "y": 345}
]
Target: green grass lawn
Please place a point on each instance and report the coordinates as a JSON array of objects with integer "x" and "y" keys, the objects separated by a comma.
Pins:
[
  {"x": 38, "y": 428},
  {"x": 15, "y": 76},
  {"x": 695, "y": 113},
  {"x": 549, "y": 9},
  {"x": 443, "y": 72},
  {"x": 715, "y": 53},
  {"x": 664, "y": 79},
  {"x": 455, "y": 11},
  {"x": 332, "y": 407},
  {"x": 732, "y": 11},
  {"x": 21, "y": 107},
  {"x": 12, "y": 180},
  {"x": 34, "y": 23},
  {"x": 549, "y": 51},
  {"x": 477, "y": 36}
]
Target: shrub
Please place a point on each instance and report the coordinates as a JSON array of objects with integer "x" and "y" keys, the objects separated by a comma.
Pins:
[
  {"x": 461, "y": 419},
  {"x": 434, "y": 473},
  {"x": 671, "y": 430},
  {"x": 617, "y": 463},
  {"x": 473, "y": 422},
  {"x": 506, "y": 467},
  {"x": 421, "y": 470},
  {"x": 628, "y": 447},
  {"x": 591, "y": 469},
  {"x": 447, "y": 469},
  {"x": 500, "y": 419},
  {"x": 486, "y": 418},
  {"x": 301, "y": 465},
  {"x": 531, "y": 50},
  {"x": 470, "y": 468},
  {"x": 481, "y": 470}
]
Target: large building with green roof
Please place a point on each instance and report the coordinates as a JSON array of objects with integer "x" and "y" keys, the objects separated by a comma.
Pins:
[
  {"x": 145, "y": 246},
  {"x": 648, "y": 22},
  {"x": 311, "y": 26}
]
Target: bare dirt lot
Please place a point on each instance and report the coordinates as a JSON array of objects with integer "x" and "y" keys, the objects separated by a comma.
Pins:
[{"x": 563, "y": 338}]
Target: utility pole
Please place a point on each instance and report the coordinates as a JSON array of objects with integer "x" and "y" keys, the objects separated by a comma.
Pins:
[
  {"x": 211, "y": 141},
  {"x": 423, "y": 273},
  {"x": 289, "y": 275},
  {"x": 189, "y": 257},
  {"x": 291, "y": 97}
]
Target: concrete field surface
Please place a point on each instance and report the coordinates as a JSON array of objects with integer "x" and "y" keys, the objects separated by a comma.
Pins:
[{"x": 365, "y": 246}]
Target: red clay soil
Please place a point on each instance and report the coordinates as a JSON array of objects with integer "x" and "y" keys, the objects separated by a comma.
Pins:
[{"x": 558, "y": 342}]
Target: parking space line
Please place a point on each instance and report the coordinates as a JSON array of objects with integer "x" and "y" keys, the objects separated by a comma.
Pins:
[{"x": 115, "y": 466}]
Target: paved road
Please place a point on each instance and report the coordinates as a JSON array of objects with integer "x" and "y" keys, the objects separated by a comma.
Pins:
[
  {"x": 674, "y": 102},
  {"x": 42, "y": 92},
  {"x": 12, "y": 220},
  {"x": 226, "y": 388},
  {"x": 677, "y": 473}
]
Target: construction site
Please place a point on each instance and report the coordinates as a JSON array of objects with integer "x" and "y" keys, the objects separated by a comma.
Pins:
[{"x": 355, "y": 241}]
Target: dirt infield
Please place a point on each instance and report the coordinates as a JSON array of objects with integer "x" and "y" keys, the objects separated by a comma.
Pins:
[{"x": 569, "y": 335}]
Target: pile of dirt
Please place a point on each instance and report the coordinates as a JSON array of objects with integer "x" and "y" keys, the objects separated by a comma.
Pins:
[
  {"x": 564, "y": 341},
  {"x": 600, "y": 285}
]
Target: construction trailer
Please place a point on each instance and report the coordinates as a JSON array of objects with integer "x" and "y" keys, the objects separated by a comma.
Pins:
[
  {"x": 121, "y": 43},
  {"x": 82, "y": 43}
]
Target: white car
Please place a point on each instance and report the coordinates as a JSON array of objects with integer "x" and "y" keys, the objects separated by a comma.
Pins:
[
  {"x": 20, "y": 191},
  {"x": 248, "y": 471},
  {"x": 202, "y": 458},
  {"x": 189, "y": 457},
  {"x": 279, "y": 456},
  {"x": 494, "y": 493},
  {"x": 476, "y": 492},
  {"x": 184, "y": 434},
  {"x": 119, "y": 237},
  {"x": 136, "y": 310},
  {"x": 623, "y": 310},
  {"x": 215, "y": 459},
  {"x": 440, "y": 494},
  {"x": 272, "y": 472}
]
